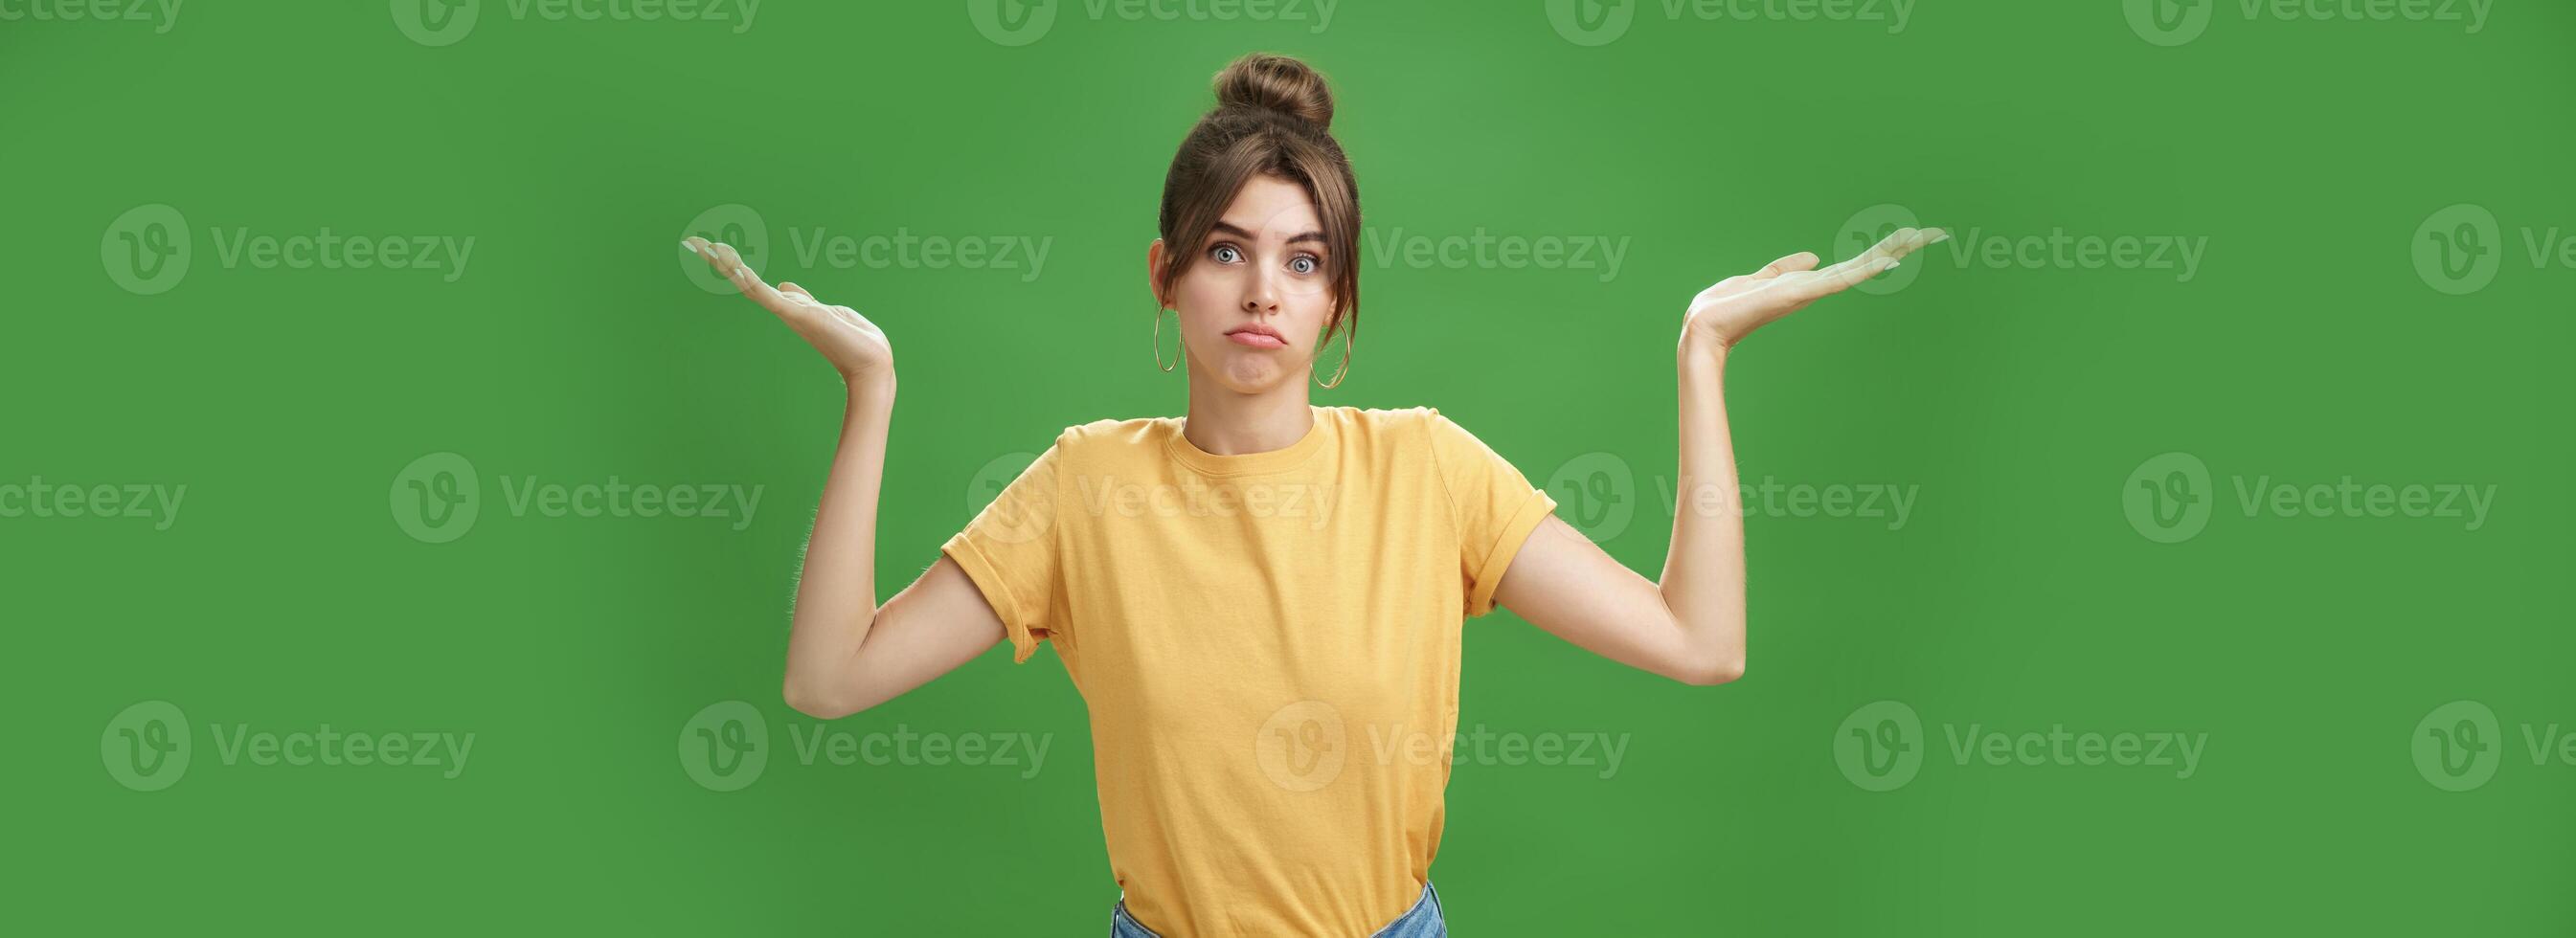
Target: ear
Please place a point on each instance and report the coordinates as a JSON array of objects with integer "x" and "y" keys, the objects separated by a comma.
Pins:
[{"x": 1153, "y": 275}]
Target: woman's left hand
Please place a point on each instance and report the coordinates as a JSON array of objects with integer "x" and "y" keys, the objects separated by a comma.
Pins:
[{"x": 1730, "y": 310}]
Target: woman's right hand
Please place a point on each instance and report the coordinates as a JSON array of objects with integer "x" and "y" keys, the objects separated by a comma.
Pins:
[{"x": 853, "y": 344}]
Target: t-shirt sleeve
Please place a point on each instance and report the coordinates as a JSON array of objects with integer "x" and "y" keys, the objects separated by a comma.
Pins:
[
  {"x": 1495, "y": 506},
  {"x": 1012, "y": 550}
]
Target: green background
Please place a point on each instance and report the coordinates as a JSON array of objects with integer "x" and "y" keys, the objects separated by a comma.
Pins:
[{"x": 2015, "y": 399}]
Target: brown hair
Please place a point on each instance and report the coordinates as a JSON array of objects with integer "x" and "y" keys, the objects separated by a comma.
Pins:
[{"x": 1271, "y": 117}]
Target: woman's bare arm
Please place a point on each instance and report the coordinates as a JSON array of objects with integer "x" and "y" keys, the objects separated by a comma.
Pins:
[
  {"x": 1690, "y": 625},
  {"x": 844, "y": 653}
]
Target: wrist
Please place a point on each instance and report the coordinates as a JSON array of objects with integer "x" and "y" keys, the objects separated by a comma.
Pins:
[
  {"x": 1702, "y": 349},
  {"x": 875, "y": 386}
]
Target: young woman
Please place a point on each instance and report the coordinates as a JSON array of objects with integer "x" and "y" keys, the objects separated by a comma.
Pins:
[{"x": 1261, "y": 602}]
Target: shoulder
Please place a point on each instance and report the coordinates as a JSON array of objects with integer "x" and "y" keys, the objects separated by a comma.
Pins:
[
  {"x": 1390, "y": 421},
  {"x": 1110, "y": 439}
]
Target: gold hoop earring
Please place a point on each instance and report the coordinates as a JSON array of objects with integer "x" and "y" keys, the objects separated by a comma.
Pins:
[
  {"x": 1158, "y": 342},
  {"x": 1343, "y": 371}
]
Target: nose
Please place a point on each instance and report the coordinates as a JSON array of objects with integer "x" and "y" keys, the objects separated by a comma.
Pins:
[{"x": 1261, "y": 295}]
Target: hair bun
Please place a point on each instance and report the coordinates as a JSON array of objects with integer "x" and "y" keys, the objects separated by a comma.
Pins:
[{"x": 1277, "y": 83}]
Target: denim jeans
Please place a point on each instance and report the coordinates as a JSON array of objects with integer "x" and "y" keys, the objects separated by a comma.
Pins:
[{"x": 1421, "y": 921}]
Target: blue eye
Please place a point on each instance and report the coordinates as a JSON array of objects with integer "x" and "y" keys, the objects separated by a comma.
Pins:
[
  {"x": 1303, "y": 263},
  {"x": 1221, "y": 252}
]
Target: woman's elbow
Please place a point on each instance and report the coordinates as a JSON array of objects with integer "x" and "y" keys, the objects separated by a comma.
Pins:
[
  {"x": 818, "y": 703},
  {"x": 1710, "y": 673}
]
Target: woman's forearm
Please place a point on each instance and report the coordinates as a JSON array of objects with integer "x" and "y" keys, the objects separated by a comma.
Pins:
[
  {"x": 1703, "y": 580},
  {"x": 836, "y": 591}
]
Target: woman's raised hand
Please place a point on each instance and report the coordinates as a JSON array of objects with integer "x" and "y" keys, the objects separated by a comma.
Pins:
[
  {"x": 1731, "y": 309},
  {"x": 853, "y": 344}
]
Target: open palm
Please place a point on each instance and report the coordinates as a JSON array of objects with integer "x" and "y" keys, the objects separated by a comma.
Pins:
[
  {"x": 853, "y": 344},
  {"x": 1732, "y": 308}
]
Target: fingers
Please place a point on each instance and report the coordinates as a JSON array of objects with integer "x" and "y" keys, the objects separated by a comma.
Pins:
[
  {"x": 1884, "y": 256},
  {"x": 729, "y": 264},
  {"x": 1896, "y": 245},
  {"x": 1803, "y": 260}
]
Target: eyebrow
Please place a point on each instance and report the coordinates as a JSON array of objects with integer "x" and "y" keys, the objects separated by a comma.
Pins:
[{"x": 1314, "y": 236}]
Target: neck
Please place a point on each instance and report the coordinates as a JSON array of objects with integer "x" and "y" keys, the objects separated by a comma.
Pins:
[{"x": 1228, "y": 423}]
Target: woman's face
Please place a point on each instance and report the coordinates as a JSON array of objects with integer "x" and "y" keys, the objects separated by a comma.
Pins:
[{"x": 1255, "y": 299}]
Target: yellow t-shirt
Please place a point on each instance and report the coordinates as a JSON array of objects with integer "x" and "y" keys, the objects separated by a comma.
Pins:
[{"x": 1268, "y": 644}]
